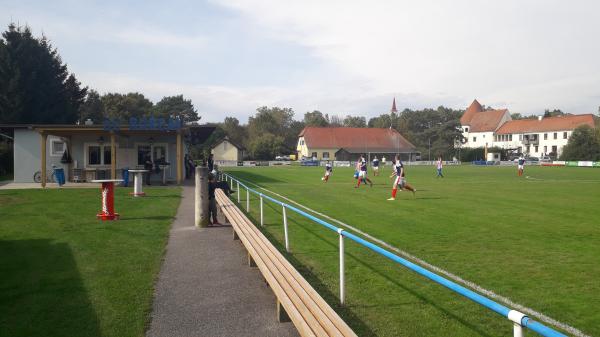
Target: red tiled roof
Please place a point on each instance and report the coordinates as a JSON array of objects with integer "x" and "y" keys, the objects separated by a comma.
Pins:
[
  {"x": 569, "y": 122},
  {"x": 486, "y": 120},
  {"x": 369, "y": 139},
  {"x": 471, "y": 111}
]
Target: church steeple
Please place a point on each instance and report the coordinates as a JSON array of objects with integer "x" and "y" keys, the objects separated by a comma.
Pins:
[{"x": 394, "y": 110}]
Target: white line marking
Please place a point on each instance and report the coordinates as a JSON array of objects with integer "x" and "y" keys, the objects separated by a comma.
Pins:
[{"x": 507, "y": 301}]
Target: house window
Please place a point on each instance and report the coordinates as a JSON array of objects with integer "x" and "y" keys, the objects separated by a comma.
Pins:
[
  {"x": 325, "y": 155},
  {"x": 143, "y": 151},
  {"x": 314, "y": 155},
  {"x": 107, "y": 155},
  {"x": 474, "y": 139},
  {"x": 156, "y": 153},
  {"x": 564, "y": 135},
  {"x": 483, "y": 136},
  {"x": 555, "y": 135},
  {"x": 466, "y": 129},
  {"x": 545, "y": 136},
  {"x": 536, "y": 148},
  {"x": 224, "y": 146},
  {"x": 545, "y": 149},
  {"x": 510, "y": 137},
  {"x": 94, "y": 155},
  {"x": 57, "y": 148}
]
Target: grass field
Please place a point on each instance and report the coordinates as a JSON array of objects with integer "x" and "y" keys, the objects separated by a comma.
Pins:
[
  {"x": 534, "y": 240},
  {"x": 64, "y": 273}
]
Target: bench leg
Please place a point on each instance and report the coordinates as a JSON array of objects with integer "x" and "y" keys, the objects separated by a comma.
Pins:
[
  {"x": 282, "y": 316},
  {"x": 251, "y": 262},
  {"x": 235, "y": 235}
]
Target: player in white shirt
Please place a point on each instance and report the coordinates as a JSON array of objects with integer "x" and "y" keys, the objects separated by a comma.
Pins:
[{"x": 328, "y": 171}]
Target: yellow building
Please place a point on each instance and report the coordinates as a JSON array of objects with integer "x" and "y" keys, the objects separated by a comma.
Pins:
[{"x": 227, "y": 151}]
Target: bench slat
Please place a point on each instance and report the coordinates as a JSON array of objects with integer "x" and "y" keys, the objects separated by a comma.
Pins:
[
  {"x": 297, "y": 318},
  {"x": 301, "y": 290}
]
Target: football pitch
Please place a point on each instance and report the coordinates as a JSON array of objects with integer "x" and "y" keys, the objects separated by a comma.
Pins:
[{"x": 533, "y": 240}]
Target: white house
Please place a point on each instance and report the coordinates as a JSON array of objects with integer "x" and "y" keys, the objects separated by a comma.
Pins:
[
  {"x": 226, "y": 150},
  {"x": 479, "y": 126},
  {"x": 533, "y": 137},
  {"x": 541, "y": 136}
]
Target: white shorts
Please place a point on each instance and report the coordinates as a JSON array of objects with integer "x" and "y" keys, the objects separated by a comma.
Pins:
[
  {"x": 521, "y": 167},
  {"x": 375, "y": 168},
  {"x": 400, "y": 181},
  {"x": 327, "y": 173},
  {"x": 362, "y": 174}
]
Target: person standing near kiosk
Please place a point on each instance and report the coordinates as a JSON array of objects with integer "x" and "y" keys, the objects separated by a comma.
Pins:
[{"x": 148, "y": 165}]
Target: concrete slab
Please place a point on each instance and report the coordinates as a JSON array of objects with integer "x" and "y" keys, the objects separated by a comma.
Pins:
[{"x": 206, "y": 288}]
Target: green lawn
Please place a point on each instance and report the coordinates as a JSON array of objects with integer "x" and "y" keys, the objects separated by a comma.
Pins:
[
  {"x": 535, "y": 241},
  {"x": 64, "y": 273}
]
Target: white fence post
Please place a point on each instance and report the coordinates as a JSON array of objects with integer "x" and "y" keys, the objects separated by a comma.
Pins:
[
  {"x": 247, "y": 199},
  {"x": 285, "y": 230},
  {"x": 262, "y": 223},
  {"x": 238, "y": 190},
  {"x": 342, "y": 279},
  {"x": 517, "y": 317}
]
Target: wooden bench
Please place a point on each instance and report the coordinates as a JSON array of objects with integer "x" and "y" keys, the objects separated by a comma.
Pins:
[{"x": 296, "y": 299}]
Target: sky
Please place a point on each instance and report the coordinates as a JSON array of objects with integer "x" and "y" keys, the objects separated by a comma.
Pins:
[{"x": 339, "y": 57}]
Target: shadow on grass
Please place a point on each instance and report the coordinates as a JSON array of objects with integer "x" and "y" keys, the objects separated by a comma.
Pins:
[
  {"x": 333, "y": 299},
  {"x": 41, "y": 291}
]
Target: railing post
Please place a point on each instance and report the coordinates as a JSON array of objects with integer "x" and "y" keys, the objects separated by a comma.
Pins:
[
  {"x": 285, "y": 230},
  {"x": 201, "y": 197},
  {"x": 238, "y": 190},
  {"x": 262, "y": 223},
  {"x": 342, "y": 279},
  {"x": 517, "y": 317},
  {"x": 247, "y": 199}
]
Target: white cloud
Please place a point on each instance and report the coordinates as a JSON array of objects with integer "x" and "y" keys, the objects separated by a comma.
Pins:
[{"x": 528, "y": 53}]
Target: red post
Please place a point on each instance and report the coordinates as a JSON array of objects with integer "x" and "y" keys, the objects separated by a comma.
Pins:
[{"x": 108, "y": 202}]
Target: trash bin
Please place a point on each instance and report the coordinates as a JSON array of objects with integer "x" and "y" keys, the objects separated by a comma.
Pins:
[
  {"x": 125, "y": 175},
  {"x": 60, "y": 176}
]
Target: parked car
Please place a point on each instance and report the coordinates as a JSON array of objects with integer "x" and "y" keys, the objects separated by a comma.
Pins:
[{"x": 545, "y": 159}]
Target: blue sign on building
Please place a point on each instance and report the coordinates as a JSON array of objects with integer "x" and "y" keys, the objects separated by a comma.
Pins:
[{"x": 145, "y": 124}]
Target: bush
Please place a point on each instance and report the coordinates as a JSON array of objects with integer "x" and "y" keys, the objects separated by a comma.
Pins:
[{"x": 583, "y": 145}]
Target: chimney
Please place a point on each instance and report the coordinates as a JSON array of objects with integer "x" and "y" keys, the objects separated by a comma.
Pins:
[{"x": 88, "y": 122}]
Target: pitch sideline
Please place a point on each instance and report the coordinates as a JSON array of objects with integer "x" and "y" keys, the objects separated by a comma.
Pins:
[{"x": 546, "y": 319}]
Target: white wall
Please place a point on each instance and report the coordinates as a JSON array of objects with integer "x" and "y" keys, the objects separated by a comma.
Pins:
[{"x": 27, "y": 155}]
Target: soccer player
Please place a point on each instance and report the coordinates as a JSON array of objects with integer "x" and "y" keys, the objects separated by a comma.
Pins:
[
  {"x": 375, "y": 166},
  {"x": 328, "y": 170},
  {"x": 362, "y": 174},
  {"x": 400, "y": 180},
  {"x": 440, "y": 165},
  {"x": 521, "y": 166}
]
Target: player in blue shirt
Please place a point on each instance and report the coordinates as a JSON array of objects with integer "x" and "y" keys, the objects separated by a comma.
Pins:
[
  {"x": 521, "y": 166},
  {"x": 398, "y": 172},
  {"x": 362, "y": 174},
  {"x": 328, "y": 171},
  {"x": 375, "y": 166}
]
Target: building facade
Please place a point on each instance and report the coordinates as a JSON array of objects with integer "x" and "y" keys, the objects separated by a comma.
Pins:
[
  {"x": 531, "y": 137},
  {"x": 225, "y": 150},
  {"x": 349, "y": 143}
]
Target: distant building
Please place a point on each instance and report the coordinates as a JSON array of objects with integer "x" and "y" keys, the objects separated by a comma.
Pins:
[
  {"x": 227, "y": 150},
  {"x": 533, "y": 137},
  {"x": 349, "y": 143}
]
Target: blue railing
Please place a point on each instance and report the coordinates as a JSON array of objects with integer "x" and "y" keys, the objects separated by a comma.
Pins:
[{"x": 519, "y": 319}]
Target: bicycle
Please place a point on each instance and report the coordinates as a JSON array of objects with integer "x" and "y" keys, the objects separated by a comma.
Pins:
[{"x": 50, "y": 176}]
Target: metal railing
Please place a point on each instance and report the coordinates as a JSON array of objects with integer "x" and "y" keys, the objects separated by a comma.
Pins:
[{"x": 519, "y": 319}]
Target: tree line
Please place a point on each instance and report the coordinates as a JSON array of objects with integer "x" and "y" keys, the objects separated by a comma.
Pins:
[{"x": 36, "y": 87}]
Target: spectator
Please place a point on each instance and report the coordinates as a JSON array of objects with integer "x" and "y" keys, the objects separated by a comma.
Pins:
[{"x": 148, "y": 165}]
